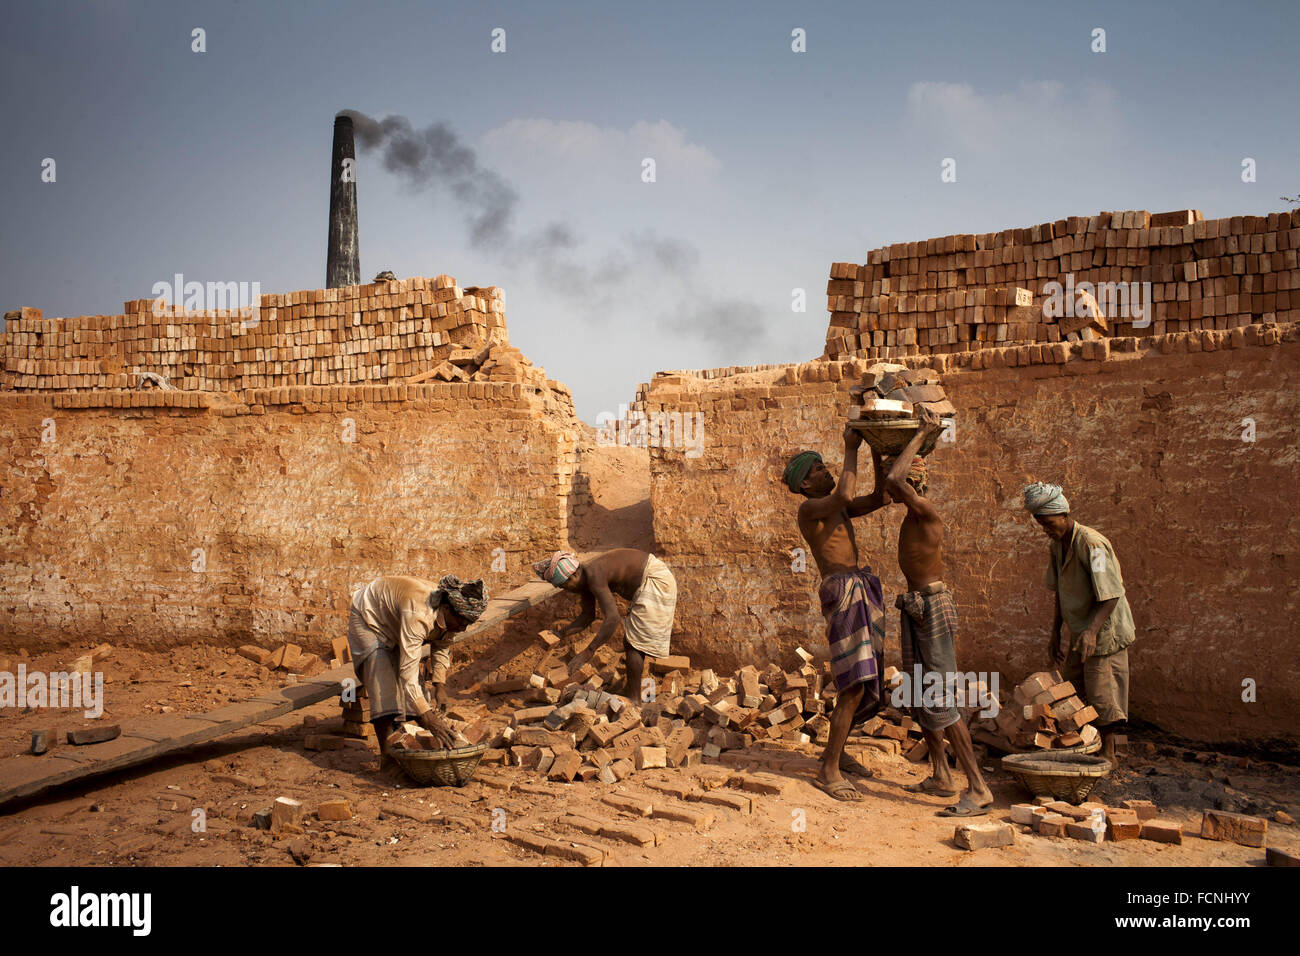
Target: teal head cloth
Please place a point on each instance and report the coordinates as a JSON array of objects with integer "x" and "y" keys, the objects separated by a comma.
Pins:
[
  {"x": 797, "y": 470},
  {"x": 1044, "y": 499}
]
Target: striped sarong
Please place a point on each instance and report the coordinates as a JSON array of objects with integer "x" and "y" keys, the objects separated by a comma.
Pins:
[
  {"x": 854, "y": 607},
  {"x": 929, "y": 639}
]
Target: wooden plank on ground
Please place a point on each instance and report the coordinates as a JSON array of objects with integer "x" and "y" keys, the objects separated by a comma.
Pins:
[{"x": 514, "y": 602}]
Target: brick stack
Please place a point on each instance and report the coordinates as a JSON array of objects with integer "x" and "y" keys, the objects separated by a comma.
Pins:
[
  {"x": 968, "y": 292},
  {"x": 1044, "y": 713},
  {"x": 380, "y": 333}
]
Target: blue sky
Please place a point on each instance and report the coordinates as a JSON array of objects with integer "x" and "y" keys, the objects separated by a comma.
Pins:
[{"x": 770, "y": 164}]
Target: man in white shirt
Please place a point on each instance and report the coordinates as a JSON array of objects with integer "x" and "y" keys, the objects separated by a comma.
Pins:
[{"x": 392, "y": 618}]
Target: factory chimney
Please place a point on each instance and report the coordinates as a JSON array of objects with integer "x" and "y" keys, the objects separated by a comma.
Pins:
[{"x": 343, "y": 259}]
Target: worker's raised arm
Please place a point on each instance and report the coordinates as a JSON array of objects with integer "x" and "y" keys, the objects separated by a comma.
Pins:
[
  {"x": 845, "y": 489},
  {"x": 866, "y": 504},
  {"x": 896, "y": 481}
]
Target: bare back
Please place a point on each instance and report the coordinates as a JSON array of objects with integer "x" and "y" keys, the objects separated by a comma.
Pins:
[{"x": 621, "y": 570}]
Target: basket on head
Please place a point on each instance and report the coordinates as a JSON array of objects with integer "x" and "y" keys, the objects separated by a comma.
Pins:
[
  {"x": 443, "y": 768},
  {"x": 1063, "y": 775},
  {"x": 890, "y": 436}
]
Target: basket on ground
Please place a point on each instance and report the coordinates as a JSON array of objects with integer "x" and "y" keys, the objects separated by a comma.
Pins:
[
  {"x": 444, "y": 768},
  {"x": 1057, "y": 773}
]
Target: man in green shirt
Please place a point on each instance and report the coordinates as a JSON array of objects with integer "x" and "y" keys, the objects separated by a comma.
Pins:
[{"x": 1084, "y": 573}]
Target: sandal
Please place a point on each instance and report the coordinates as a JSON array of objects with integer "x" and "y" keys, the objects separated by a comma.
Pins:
[
  {"x": 965, "y": 807},
  {"x": 930, "y": 788},
  {"x": 840, "y": 790}
]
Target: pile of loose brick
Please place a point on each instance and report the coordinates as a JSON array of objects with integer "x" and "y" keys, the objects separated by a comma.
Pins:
[
  {"x": 289, "y": 658},
  {"x": 1092, "y": 822},
  {"x": 968, "y": 292},
  {"x": 888, "y": 391},
  {"x": 418, "y": 329},
  {"x": 573, "y": 728},
  {"x": 1044, "y": 713},
  {"x": 570, "y": 727}
]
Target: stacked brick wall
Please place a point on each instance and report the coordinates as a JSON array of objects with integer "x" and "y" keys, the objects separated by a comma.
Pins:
[
  {"x": 969, "y": 292},
  {"x": 374, "y": 334},
  {"x": 291, "y": 460}
]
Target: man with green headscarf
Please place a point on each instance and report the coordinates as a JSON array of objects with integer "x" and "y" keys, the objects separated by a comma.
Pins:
[{"x": 851, "y": 599}]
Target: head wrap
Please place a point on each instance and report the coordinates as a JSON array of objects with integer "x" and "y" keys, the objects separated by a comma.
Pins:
[
  {"x": 467, "y": 599},
  {"x": 1044, "y": 499},
  {"x": 557, "y": 569},
  {"x": 797, "y": 470}
]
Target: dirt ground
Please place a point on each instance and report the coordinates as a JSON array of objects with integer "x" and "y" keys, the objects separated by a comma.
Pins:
[{"x": 145, "y": 816}]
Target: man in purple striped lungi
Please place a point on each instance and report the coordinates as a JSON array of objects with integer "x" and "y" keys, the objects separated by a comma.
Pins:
[{"x": 851, "y": 599}]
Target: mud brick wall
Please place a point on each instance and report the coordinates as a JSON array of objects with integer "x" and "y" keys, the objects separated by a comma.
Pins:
[
  {"x": 1146, "y": 437},
  {"x": 377, "y": 333},
  {"x": 969, "y": 292},
  {"x": 99, "y": 525}
]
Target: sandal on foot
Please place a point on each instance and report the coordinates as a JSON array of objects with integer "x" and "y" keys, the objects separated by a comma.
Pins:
[
  {"x": 930, "y": 788},
  {"x": 841, "y": 790},
  {"x": 965, "y": 807}
]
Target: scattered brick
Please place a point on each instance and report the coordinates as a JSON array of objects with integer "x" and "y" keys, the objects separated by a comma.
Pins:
[
  {"x": 1234, "y": 827},
  {"x": 981, "y": 836}
]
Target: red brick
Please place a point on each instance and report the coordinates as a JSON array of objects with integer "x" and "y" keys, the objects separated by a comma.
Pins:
[
  {"x": 1234, "y": 827},
  {"x": 1145, "y": 809},
  {"x": 980, "y": 836},
  {"x": 1162, "y": 831}
]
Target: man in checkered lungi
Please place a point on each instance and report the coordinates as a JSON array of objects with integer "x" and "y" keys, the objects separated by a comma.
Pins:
[{"x": 929, "y": 632}]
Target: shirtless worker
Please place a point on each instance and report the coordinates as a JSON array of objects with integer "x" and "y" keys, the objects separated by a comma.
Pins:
[
  {"x": 928, "y": 618},
  {"x": 642, "y": 580},
  {"x": 851, "y": 599},
  {"x": 391, "y": 619}
]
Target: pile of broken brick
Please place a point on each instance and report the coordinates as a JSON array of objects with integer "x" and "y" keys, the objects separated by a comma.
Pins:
[{"x": 290, "y": 658}]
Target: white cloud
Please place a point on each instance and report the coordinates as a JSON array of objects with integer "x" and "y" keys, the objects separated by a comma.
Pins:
[
  {"x": 604, "y": 153},
  {"x": 1044, "y": 114}
]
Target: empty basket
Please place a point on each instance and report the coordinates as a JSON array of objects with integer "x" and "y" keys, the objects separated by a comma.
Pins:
[{"x": 1055, "y": 773}]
